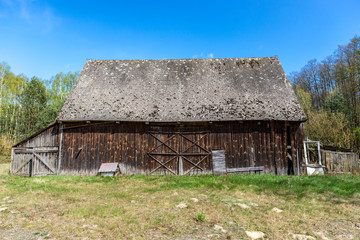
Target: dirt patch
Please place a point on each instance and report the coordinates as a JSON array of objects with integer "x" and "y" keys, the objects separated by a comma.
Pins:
[{"x": 16, "y": 234}]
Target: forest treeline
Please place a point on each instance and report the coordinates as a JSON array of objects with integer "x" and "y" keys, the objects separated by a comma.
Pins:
[
  {"x": 28, "y": 105},
  {"x": 329, "y": 92}
]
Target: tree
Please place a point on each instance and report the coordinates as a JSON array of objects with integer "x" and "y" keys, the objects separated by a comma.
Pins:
[
  {"x": 33, "y": 101},
  {"x": 333, "y": 87}
]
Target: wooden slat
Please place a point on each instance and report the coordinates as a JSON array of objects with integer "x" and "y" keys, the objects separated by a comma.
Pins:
[
  {"x": 183, "y": 154},
  {"x": 22, "y": 165},
  {"x": 44, "y": 162},
  {"x": 245, "y": 169},
  {"x": 162, "y": 164}
]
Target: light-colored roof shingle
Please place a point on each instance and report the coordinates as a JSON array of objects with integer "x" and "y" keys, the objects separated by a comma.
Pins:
[{"x": 182, "y": 90}]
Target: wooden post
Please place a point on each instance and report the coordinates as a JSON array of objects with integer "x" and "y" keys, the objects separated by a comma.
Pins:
[
  {"x": 306, "y": 159},
  {"x": 30, "y": 167},
  {"x": 60, "y": 148},
  {"x": 181, "y": 168},
  {"x": 12, "y": 160},
  {"x": 297, "y": 160},
  {"x": 319, "y": 153}
]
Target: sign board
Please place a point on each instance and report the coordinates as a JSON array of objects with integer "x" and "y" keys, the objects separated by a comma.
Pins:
[{"x": 218, "y": 161}]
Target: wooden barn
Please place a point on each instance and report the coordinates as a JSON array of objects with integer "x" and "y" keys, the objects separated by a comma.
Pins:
[{"x": 171, "y": 117}]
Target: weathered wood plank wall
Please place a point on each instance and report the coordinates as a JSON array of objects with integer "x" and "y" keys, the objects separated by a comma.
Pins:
[
  {"x": 340, "y": 162},
  {"x": 40, "y": 143},
  {"x": 247, "y": 144}
]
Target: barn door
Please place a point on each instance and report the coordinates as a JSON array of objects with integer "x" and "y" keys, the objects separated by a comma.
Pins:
[
  {"x": 179, "y": 153},
  {"x": 164, "y": 155},
  {"x": 34, "y": 161},
  {"x": 195, "y": 153}
]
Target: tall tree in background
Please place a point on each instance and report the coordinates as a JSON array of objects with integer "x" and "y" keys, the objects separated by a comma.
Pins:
[
  {"x": 347, "y": 76},
  {"x": 28, "y": 106},
  {"x": 11, "y": 88},
  {"x": 33, "y": 101},
  {"x": 329, "y": 92}
]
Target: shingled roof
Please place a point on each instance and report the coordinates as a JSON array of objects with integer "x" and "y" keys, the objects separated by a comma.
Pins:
[{"x": 182, "y": 90}]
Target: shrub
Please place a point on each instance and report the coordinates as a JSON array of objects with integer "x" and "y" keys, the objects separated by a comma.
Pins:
[{"x": 200, "y": 217}]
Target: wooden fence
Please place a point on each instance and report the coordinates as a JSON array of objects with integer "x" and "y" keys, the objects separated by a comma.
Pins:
[{"x": 340, "y": 162}]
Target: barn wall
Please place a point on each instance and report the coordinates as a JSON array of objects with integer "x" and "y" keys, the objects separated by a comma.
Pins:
[
  {"x": 250, "y": 143},
  {"x": 46, "y": 138}
]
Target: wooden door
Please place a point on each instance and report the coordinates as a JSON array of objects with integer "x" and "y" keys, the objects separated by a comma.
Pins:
[
  {"x": 179, "y": 153},
  {"x": 34, "y": 161},
  {"x": 195, "y": 153}
]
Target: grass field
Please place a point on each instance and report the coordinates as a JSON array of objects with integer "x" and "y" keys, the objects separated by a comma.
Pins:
[{"x": 148, "y": 207}]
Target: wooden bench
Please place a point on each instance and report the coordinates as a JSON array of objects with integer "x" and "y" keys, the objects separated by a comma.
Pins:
[{"x": 245, "y": 169}]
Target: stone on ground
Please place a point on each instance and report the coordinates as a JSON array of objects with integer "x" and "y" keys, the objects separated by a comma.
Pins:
[
  {"x": 302, "y": 237},
  {"x": 194, "y": 199},
  {"x": 182, "y": 205},
  {"x": 219, "y": 228},
  {"x": 3, "y": 209},
  {"x": 321, "y": 236},
  {"x": 242, "y": 205},
  {"x": 255, "y": 235},
  {"x": 277, "y": 210},
  {"x": 253, "y": 204}
]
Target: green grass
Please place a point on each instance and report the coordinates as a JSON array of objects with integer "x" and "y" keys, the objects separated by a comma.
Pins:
[
  {"x": 345, "y": 186},
  {"x": 144, "y": 207}
]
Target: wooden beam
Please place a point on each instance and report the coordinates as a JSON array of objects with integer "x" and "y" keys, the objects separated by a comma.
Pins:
[
  {"x": 60, "y": 148},
  {"x": 194, "y": 143},
  {"x": 195, "y": 165},
  {"x": 245, "y": 169},
  {"x": 162, "y": 164},
  {"x": 45, "y": 150},
  {"x": 163, "y": 143},
  {"x": 22, "y": 165},
  {"x": 44, "y": 162},
  {"x": 12, "y": 160},
  {"x": 182, "y": 154}
]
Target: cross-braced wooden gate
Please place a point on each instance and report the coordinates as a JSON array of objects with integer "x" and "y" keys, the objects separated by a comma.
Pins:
[
  {"x": 34, "y": 161},
  {"x": 180, "y": 153}
]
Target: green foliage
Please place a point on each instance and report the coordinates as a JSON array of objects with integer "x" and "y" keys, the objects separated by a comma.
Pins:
[
  {"x": 332, "y": 88},
  {"x": 26, "y": 106},
  {"x": 200, "y": 217},
  {"x": 329, "y": 128},
  {"x": 33, "y": 101},
  {"x": 6, "y": 142},
  {"x": 357, "y": 136},
  {"x": 304, "y": 99}
]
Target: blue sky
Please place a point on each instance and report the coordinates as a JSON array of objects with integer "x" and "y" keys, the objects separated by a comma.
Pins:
[{"x": 42, "y": 38}]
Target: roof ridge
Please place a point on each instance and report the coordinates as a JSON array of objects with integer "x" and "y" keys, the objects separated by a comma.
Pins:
[{"x": 180, "y": 59}]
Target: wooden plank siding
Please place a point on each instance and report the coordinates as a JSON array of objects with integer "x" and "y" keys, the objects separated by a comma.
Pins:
[
  {"x": 246, "y": 144},
  {"x": 43, "y": 144}
]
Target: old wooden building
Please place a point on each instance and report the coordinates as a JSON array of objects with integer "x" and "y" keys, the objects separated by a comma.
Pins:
[{"x": 168, "y": 116}]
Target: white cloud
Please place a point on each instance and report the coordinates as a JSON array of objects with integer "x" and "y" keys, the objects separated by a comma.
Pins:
[
  {"x": 37, "y": 16},
  {"x": 202, "y": 55}
]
